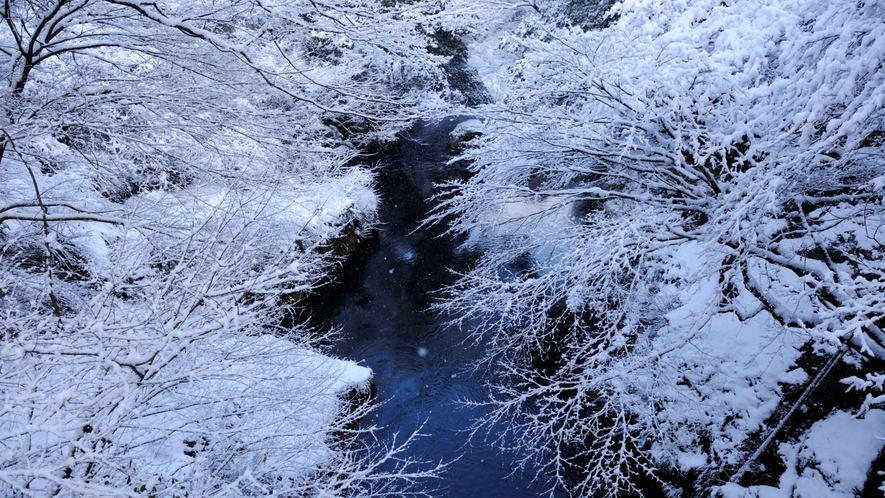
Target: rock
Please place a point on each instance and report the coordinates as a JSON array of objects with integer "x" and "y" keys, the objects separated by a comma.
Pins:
[{"x": 462, "y": 134}]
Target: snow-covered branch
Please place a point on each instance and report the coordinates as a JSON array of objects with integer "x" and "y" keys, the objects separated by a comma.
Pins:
[{"x": 672, "y": 208}]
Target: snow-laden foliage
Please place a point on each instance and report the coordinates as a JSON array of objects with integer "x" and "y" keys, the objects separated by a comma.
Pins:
[
  {"x": 172, "y": 174},
  {"x": 673, "y": 206}
]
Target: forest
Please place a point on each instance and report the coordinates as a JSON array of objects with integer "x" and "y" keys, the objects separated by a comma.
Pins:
[{"x": 678, "y": 212}]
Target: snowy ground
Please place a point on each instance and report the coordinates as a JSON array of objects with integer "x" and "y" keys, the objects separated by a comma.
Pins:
[{"x": 164, "y": 369}]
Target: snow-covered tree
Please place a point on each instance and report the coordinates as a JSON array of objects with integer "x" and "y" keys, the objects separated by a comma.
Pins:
[
  {"x": 172, "y": 174},
  {"x": 673, "y": 207}
]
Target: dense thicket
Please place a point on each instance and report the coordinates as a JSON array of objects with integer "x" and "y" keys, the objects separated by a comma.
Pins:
[
  {"x": 168, "y": 170},
  {"x": 675, "y": 207}
]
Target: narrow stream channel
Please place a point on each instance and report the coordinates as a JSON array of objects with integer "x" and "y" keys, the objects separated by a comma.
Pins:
[{"x": 421, "y": 367}]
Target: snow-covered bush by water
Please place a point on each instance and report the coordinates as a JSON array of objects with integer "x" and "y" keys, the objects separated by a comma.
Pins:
[
  {"x": 168, "y": 171},
  {"x": 725, "y": 160}
]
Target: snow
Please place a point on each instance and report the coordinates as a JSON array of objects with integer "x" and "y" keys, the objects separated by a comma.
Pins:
[
  {"x": 488, "y": 50},
  {"x": 328, "y": 202},
  {"x": 732, "y": 370},
  {"x": 469, "y": 126},
  {"x": 255, "y": 367},
  {"x": 830, "y": 461},
  {"x": 173, "y": 398}
]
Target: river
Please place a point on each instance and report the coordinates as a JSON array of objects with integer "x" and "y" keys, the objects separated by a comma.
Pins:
[{"x": 422, "y": 368}]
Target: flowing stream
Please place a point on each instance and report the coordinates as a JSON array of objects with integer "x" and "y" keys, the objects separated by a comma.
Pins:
[{"x": 422, "y": 368}]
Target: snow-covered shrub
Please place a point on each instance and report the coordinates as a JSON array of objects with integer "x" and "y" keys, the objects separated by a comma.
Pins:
[
  {"x": 725, "y": 163},
  {"x": 167, "y": 178}
]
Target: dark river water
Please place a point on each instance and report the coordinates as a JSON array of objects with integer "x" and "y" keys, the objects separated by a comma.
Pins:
[{"x": 422, "y": 369}]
